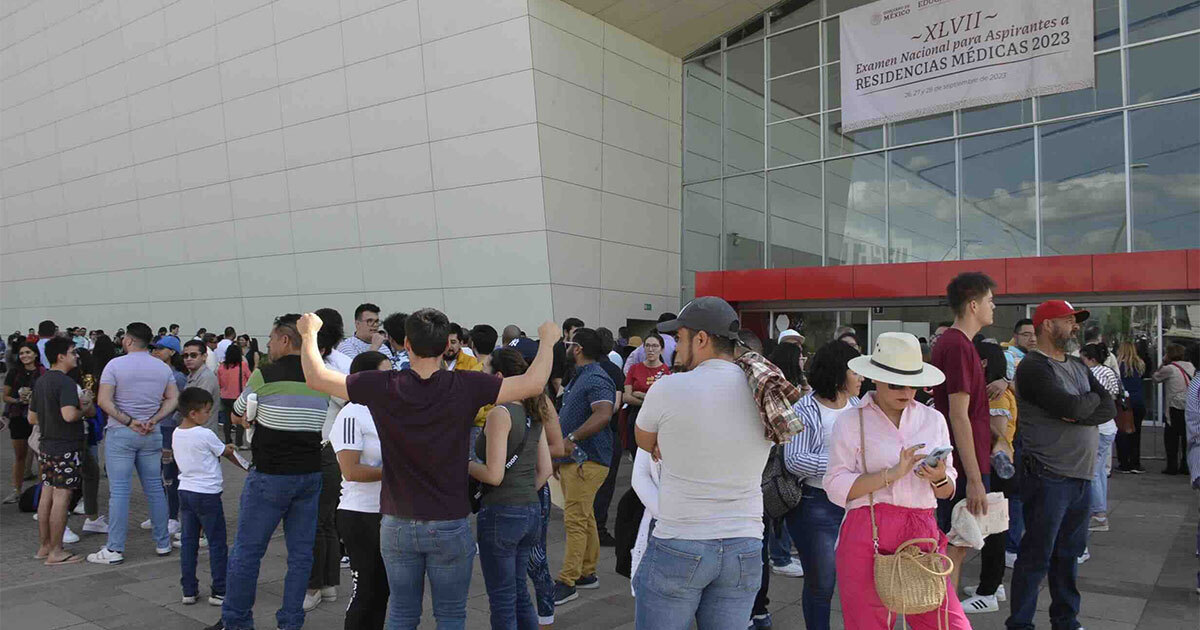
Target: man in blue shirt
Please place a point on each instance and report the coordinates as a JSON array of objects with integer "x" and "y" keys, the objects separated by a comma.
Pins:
[{"x": 586, "y": 411}]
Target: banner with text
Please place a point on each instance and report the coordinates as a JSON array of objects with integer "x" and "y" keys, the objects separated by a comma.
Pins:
[{"x": 904, "y": 60}]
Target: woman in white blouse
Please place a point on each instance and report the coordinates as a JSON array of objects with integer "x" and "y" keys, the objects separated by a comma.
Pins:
[
  {"x": 814, "y": 523},
  {"x": 897, "y": 432}
]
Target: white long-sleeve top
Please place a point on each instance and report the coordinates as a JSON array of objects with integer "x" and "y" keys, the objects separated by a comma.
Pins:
[{"x": 646, "y": 484}]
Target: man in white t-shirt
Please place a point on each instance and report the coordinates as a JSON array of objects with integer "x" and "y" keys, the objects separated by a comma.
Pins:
[
  {"x": 705, "y": 428},
  {"x": 224, "y": 343}
]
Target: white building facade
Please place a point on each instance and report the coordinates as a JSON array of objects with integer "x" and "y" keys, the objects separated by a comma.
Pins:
[{"x": 221, "y": 162}]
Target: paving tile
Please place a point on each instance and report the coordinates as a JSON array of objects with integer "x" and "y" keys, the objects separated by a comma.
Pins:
[{"x": 39, "y": 615}]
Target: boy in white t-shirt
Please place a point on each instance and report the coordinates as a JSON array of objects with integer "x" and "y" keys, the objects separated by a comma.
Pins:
[
  {"x": 356, "y": 442},
  {"x": 197, "y": 453}
]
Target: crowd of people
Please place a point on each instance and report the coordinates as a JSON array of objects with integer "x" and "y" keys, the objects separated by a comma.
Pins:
[{"x": 413, "y": 445}]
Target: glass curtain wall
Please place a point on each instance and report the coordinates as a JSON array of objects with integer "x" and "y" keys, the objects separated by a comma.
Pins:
[{"x": 771, "y": 179}]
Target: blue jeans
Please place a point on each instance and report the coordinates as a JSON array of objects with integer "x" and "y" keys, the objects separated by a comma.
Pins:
[
  {"x": 127, "y": 450},
  {"x": 539, "y": 566},
  {"x": 202, "y": 510},
  {"x": 1099, "y": 501},
  {"x": 1016, "y": 525},
  {"x": 443, "y": 551},
  {"x": 266, "y": 500},
  {"x": 814, "y": 525},
  {"x": 1056, "y": 518},
  {"x": 779, "y": 544},
  {"x": 170, "y": 476},
  {"x": 711, "y": 581},
  {"x": 507, "y": 534}
]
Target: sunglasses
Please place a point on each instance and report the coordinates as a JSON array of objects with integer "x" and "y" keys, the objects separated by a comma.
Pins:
[
  {"x": 191, "y": 355},
  {"x": 900, "y": 387}
]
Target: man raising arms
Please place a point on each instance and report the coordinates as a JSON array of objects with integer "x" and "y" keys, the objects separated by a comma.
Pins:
[{"x": 424, "y": 417}]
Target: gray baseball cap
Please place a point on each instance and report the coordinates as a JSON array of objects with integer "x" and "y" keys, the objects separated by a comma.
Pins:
[{"x": 710, "y": 314}]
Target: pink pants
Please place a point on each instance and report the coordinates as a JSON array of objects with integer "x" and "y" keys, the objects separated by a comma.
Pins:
[{"x": 861, "y": 607}]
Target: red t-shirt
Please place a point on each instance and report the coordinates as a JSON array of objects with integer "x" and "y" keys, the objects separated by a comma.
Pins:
[
  {"x": 642, "y": 377},
  {"x": 424, "y": 428},
  {"x": 955, "y": 356}
]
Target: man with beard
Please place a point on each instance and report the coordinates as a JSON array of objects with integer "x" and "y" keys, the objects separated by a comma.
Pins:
[
  {"x": 1060, "y": 404},
  {"x": 455, "y": 357}
]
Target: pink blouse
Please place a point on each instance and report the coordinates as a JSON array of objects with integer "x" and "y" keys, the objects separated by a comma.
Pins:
[{"x": 918, "y": 424}]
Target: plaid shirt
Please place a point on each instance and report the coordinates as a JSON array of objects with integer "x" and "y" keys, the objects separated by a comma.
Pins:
[{"x": 775, "y": 397}]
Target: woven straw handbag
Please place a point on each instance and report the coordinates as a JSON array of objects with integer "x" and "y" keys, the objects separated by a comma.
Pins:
[{"x": 911, "y": 581}]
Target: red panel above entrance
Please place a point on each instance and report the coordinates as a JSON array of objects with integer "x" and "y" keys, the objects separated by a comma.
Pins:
[
  {"x": 1177, "y": 270},
  {"x": 1142, "y": 271}
]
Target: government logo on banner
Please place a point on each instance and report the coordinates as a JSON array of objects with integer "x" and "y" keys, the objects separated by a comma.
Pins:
[{"x": 904, "y": 60}]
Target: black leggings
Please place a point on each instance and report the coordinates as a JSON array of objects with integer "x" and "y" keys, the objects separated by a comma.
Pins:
[
  {"x": 1175, "y": 436},
  {"x": 369, "y": 598}
]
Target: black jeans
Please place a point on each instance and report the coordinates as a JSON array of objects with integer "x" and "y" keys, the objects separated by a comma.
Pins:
[
  {"x": 1175, "y": 436},
  {"x": 234, "y": 433},
  {"x": 604, "y": 495},
  {"x": 91, "y": 479},
  {"x": 761, "y": 600},
  {"x": 991, "y": 558},
  {"x": 369, "y": 597},
  {"x": 1129, "y": 445},
  {"x": 327, "y": 552}
]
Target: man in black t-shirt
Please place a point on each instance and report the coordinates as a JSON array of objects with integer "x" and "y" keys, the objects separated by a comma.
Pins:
[
  {"x": 424, "y": 417},
  {"x": 560, "y": 374},
  {"x": 56, "y": 407},
  {"x": 605, "y": 494}
]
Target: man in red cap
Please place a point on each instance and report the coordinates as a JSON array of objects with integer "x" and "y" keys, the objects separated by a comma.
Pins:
[{"x": 1060, "y": 404}]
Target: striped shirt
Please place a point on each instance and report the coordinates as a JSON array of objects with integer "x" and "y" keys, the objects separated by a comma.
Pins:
[
  {"x": 287, "y": 435},
  {"x": 353, "y": 346},
  {"x": 807, "y": 454}
]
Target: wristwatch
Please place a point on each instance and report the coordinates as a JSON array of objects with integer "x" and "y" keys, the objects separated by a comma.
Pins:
[{"x": 571, "y": 437}]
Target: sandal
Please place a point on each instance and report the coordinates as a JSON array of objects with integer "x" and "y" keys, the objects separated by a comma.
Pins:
[{"x": 73, "y": 558}]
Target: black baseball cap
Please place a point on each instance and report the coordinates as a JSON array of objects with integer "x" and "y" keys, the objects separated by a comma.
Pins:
[{"x": 710, "y": 314}]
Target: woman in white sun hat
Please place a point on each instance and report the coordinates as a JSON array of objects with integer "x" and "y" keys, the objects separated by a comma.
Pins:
[{"x": 898, "y": 433}]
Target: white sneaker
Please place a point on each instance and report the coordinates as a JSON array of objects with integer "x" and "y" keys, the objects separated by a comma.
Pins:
[
  {"x": 793, "y": 569},
  {"x": 98, "y": 526},
  {"x": 69, "y": 536},
  {"x": 329, "y": 594},
  {"x": 1085, "y": 557},
  {"x": 311, "y": 600},
  {"x": 163, "y": 551},
  {"x": 1010, "y": 559},
  {"x": 106, "y": 556},
  {"x": 980, "y": 604},
  {"x": 173, "y": 527},
  {"x": 78, "y": 508},
  {"x": 148, "y": 524},
  {"x": 188, "y": 600},
  {"x": 216, "y": 600},
  {"x": 1096, "y": 524},
  {"x": 1000, "y": 594},
  {"x": 178, "y": 544},
  {"x": 345, "y": 562}
]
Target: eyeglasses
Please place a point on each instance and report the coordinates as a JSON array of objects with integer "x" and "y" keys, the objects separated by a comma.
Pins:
[
  {"x": 191, "y": 355},
  {"x": 900, "y": 387}
]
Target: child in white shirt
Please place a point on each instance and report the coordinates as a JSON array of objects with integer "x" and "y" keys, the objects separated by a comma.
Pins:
[{"x": 197, "y": 452}]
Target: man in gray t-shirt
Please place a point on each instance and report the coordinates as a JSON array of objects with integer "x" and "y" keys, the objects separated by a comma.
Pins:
[
  {"x": 195, "y": 359},
  {"x": 1059, "y": 406},
  {"x": 55, "y": 409},
  {"x": 136, "y": 391}
]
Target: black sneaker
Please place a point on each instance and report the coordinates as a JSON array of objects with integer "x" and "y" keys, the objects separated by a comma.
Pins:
[
  {"x": 562, "y": 595},
  {"x": 220, "y": 625},
  {"x": 607, "y": 540},
  {"x": 588, "y": 581}
]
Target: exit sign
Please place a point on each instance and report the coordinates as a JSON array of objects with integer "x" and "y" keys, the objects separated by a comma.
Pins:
[{"x": 646, "y": 307}]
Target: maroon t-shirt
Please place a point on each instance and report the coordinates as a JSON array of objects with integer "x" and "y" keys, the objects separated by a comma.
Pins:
[
  {"x": 424, "y": 428},
  {"x": 955, "y": 356}
]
